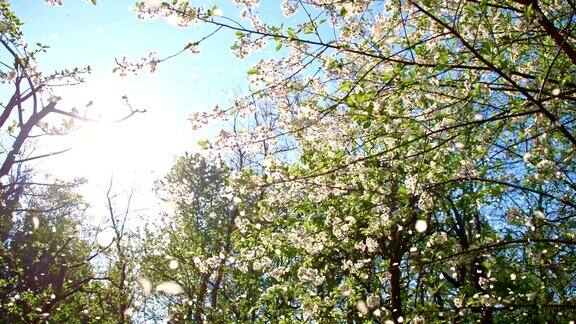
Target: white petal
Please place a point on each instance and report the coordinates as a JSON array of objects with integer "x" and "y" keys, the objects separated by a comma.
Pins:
[{"x": 421, "y": 226}]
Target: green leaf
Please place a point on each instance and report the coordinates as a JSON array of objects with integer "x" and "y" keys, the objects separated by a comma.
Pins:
[
  {"x": 278, "y": 46},
  {"x": 212, "y": 10},
  {"x": 12, "y": 128},
  {"x": 239, "y": 34},
  {"x": 232, "y": 111},
  {"x": 203, "y": 144},
  {"x": 529, "y": 12},
  {"x": 252, "y": 70},
  {"x": 309, "y": 28},
  {"x": 93, "y": 2},
  {"x": 291, "y": 33},
  {"x": 346, "y": 86}
]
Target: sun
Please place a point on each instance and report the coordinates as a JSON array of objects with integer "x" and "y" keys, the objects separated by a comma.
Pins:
[
  {"x": 144, "y": 143},
  {"x": 104, "y": 148},
  {"x": 130, "y": 154}
]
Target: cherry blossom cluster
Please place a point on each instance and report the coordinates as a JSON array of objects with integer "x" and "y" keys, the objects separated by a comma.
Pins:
[{"x": 124, "y": 67}]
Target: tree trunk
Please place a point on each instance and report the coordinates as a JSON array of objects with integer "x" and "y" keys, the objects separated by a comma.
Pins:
[
  {"x": 200, "y": 298},
  {"x": 395, "y": 278}
]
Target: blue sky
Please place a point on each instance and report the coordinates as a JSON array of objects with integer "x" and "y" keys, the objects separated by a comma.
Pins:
[{"x": 141, "y": 149}]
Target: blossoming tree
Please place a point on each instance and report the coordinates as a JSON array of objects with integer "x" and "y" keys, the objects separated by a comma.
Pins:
[{"x": 420, "y": 164}]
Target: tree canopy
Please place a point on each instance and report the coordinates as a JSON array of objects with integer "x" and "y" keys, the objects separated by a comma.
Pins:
[
  {"x": 401, "y": 161},
  {"x": 417, "y": 161}
]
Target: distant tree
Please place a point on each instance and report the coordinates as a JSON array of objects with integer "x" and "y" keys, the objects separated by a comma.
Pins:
[
  {"x": 116, "y": 299},
  {"x": 46, "y": 271},
  {"x": 194, "y": 248}
]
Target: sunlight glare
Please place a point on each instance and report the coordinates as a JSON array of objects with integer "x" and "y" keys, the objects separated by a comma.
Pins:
[{"x": 141, "y": 144}]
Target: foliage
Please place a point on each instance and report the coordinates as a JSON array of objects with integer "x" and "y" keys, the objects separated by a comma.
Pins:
[
  {"x": 397, "y": 161},
  {"x": 456, "y": 116},
  {"x": 196, "y": 247},
  {"x": 47, "y": 272}
]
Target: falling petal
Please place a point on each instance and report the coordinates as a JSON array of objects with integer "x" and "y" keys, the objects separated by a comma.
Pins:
[
  {"x": 169, "y": 288},
  {"x": 421, "y": 226},
  {"x": 35, "y": 222},
  {"x": 145, "y": 284}
]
